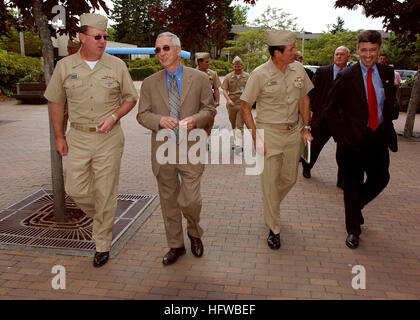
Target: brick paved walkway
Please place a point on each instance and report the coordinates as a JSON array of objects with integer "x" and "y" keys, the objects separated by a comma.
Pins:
[{"x": 313, "y": 263}]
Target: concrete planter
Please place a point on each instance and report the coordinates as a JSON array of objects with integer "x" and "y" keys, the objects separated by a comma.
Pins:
[
  {"x": 403, "y": 96},
  {"x": 31, "y": 92}
]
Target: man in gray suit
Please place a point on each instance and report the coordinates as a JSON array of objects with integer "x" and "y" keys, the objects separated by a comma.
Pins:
[{"x": 172, "y": 97}]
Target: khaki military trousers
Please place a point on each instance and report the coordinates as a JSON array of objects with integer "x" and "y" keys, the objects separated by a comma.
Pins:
[
  {"x": 280, "y": 168},
  {"x": 179, "y": 192},
  {"x": 236, "y": 121},
  {"x": 93, "y": 168}
]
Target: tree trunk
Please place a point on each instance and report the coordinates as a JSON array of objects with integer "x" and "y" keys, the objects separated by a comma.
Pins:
[
  {"x": 412, "y": 108},
  {"x": 192, "y": 58},
  {"x": 56, "y": 161}
]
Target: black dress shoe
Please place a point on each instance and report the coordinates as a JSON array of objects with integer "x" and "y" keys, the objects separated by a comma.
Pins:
[
  {"x": 100, "y": 258},
  {"x": 196, "y": 246},
  {"x": 352, "y": 241},
  {"x": 273, "y": 240},
  {"x": 173, "y": 255},
  {"x": 306, "y": 173}
]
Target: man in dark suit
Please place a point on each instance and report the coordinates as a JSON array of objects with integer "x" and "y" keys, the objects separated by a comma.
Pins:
[
  {"x": 360, "y": 113},
  {"x": 323, "y": 80}
]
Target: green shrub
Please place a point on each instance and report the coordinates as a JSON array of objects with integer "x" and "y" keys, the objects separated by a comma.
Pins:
[
  {"x": 409, "y": 83},
  {"x": 141, "y": 73},
  {"x": 137, "y": 63},
  {"x": 13, "y": 67},
  {"x": 36, "y": 75},
  {"x": 221, "y": 67}
]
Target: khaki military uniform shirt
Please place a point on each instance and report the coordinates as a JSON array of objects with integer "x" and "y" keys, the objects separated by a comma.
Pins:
[
  {"x": 214, "y": 78},
  {"x": 277, "y": 93},
  {"x": 235, "y": 86},
  {"x": 92, "y": 95}
]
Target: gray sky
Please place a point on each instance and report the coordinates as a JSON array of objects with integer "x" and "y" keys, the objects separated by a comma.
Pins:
[{"x": 312, "y": 15}]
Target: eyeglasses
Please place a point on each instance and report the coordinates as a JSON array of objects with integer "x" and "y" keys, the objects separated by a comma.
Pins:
[
  {"x": 99, "y": 37},
  {"x": 165, "y": 48}
]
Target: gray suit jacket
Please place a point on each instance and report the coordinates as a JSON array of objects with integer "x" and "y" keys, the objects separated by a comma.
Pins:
[{"x": 196, "y": 101}]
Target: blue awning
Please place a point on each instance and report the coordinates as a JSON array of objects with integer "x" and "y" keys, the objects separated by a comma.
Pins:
[{"x": 184, "y": 54}]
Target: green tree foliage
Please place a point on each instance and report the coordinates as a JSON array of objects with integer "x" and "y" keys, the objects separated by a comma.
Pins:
[
  {"x": 195, "y": 22},
  {"x": 11, "y": 42},
  {"x": 133, "y": 21},
  {"x": 395, "y": 50},
  {"x": 251, "y": 46},
  {"x": 240, "y": 15},
  {"x": 338, "y": 26},
  {"x": 320, "y": 51},
  {"x": 276, "y": 18}
]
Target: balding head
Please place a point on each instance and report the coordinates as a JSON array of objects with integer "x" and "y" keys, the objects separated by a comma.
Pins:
[{"x": 341, "y": 56}]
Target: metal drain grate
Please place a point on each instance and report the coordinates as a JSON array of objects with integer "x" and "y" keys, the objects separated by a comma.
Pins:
[{"x": 30, "y": 223}]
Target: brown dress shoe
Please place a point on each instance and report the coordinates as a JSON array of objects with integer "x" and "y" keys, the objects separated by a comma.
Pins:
[
  {"x": 196, "y": 246},
  {"x": 173, "y": 255}
]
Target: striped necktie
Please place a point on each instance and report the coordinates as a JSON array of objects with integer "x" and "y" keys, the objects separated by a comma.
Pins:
[{"x": 174, "y": 103}]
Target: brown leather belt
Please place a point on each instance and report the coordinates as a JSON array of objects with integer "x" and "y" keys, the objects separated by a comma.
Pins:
[
  {"x": 287, "y": 126},
  {"x": 85, "y": 127}
]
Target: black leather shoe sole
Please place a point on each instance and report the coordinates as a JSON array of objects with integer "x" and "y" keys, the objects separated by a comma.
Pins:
[
  {"x": 100, "y": 259},
  {"x": 352, "y": 241},
  {"x": 273, "y": 241},
  {"x": 306, "y": 174}
]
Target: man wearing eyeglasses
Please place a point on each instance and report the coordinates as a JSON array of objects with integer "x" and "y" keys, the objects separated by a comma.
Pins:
[
  {"x": 174, "y": 97},
  {"x": 99, "y": 92}
]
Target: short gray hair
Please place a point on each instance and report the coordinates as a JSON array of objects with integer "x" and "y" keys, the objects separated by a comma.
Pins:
[
  {"x": 343, "y": 47},
  {"x": 175, "y": 39}
]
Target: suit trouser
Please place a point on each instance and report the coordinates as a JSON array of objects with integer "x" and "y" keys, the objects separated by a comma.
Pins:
[
  {"x": 236, "y": 121},
  {"x": 93, "y": 168},
  {"x": 372, "y": 158},
  {"x": 280, "y": 169},
  {"x": 179, "y": 192},
  {"x": 321, "y": 135}
]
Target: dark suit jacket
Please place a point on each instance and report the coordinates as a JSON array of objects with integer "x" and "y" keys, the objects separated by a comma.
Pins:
[
  {"x": 322, "y": 80},
  {"x": 348, "y": 111}
]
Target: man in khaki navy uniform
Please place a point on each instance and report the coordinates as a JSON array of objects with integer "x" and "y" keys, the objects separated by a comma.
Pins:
[
  {"x": 99, "y": 91},
  {"x": 233, "y": 86},
  {"x": 203, "y": 61},
  {"x": 280, "y": 86},
  {"x": 72, "y": 48}
]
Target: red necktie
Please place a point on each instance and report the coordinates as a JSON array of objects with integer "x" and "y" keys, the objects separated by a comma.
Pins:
[{"x": 373, "y": 104}]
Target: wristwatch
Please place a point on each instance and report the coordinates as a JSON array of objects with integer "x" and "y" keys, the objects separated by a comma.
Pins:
[
  {"x": 307, "y": 128},
  {"x": 116, "y": 119}
]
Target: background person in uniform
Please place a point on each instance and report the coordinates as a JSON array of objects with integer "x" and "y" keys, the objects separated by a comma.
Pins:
[
  {"x": 360, "y": 113},
  {"x": 167, "y": 97},
  {"x": 280, "y": 86},
  {"x": 203, "y": 61},
  {"x": 299, "y": 58},
  {"x": 233, "y": 86},
  {"x": 99, "y": 91},
  {"x": 322, "y": 81}
]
